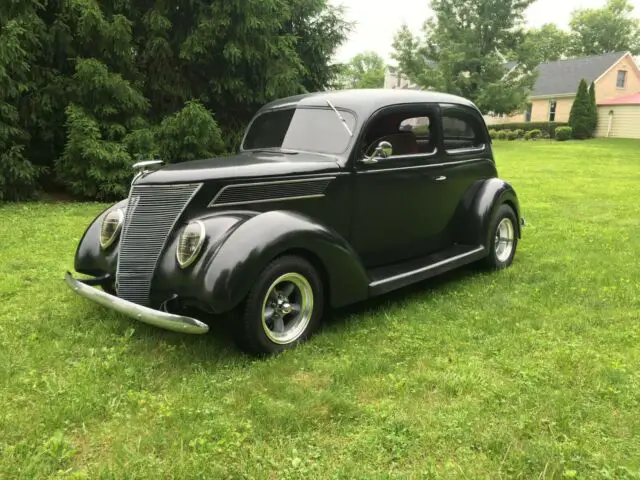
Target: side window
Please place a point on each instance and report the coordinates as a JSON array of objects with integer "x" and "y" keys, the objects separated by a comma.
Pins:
[
  {"x": 461, "y": 130},
  {"x": 408, "y": 133}
]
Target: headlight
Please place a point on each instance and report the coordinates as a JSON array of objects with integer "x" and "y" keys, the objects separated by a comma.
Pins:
[
  {"x": 190, "y": 243},
  {"x": 110, "y": 228}
]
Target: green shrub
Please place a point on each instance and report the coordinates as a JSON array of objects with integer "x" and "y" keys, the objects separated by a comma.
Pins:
[
  {"x": 501, "y": 134},
  {"x": 511, "y": 135},
  {"x": 493, "y": 134},
  {"x": 18, "y": 176},
  {"x": 545, "y": 127},
  {"x": 91, "y": 166},
  {"x": 519, "y": 133},
  {"x": 190, "y": 134},
  {"x": 533, "y": 134},
  {"x": 564, "y": 133}
]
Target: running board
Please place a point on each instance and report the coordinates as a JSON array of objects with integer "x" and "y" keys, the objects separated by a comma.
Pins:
[{"x": 392, "y": 277}]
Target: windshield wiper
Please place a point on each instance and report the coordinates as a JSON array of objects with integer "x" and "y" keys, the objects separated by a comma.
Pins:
[{"x": 344, "y": 122}]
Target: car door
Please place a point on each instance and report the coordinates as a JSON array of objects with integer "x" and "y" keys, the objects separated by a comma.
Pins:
[
  {"x": 467, "y": 159},
  {"x": 395, "y": 199}
]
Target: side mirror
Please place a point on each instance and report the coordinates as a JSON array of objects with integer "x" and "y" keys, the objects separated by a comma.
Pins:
[{"x": 383, "y": 150}]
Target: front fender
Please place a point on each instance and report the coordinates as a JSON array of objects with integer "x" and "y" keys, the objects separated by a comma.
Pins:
[
  {"x": 90, "y": 258},
  {"x": 231, "y": 266},
  {"x": 478, "y": 206}
]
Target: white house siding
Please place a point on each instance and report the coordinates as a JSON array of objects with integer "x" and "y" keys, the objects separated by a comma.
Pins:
[{"x": 624, "y": 124}]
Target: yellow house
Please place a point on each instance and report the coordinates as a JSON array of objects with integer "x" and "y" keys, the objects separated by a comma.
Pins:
[{"x": 615, "y": 75}]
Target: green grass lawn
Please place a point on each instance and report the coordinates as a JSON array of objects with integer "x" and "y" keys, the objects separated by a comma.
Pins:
[{"x": 528, "y": 373}]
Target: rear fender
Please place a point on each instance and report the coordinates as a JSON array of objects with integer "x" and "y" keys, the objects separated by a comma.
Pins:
[{"x": 478, "y": 207}]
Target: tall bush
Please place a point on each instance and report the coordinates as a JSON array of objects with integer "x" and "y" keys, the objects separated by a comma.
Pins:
[
  {"x": 190, "y": 134},
  {"x": 75, "y": 75},
  {"x": 18, "y": 176},
  {"x": 594, "y": 108},
  {"x": 92, "y": 166},
  {"x": 95, "y": 162},
  {"x": 580, "y": 118}
]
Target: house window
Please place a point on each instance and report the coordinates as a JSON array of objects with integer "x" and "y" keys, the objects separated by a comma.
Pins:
[
  {"x": 527, "y": 113},
  {"x": 622, "y": 79},
  {"x": 552, "y": 110}
]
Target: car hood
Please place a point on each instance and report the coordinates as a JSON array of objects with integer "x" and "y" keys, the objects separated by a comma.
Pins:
[{"x": 244, "y": 165}]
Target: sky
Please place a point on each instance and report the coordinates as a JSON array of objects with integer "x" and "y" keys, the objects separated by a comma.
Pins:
[{"x": 377, "y": 21}]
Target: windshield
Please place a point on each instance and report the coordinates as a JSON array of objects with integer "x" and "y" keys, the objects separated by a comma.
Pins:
[{"x": 307, "y": 129}]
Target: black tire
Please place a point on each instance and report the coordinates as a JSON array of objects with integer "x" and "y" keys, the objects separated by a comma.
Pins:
[
  {"x": 255, "y": 336},
  {"x": 494, "y": 261}
]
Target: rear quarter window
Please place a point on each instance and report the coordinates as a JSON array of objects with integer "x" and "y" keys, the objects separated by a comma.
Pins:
[{"x": 461, "y": 129}]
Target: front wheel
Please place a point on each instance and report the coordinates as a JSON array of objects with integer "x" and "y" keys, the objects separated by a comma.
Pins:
[
  {"x": 503, "y": 239},
  {"x": 282, "y": 309}
]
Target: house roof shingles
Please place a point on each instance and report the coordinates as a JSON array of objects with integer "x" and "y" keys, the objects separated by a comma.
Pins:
[{"x": 563, "y": 76}]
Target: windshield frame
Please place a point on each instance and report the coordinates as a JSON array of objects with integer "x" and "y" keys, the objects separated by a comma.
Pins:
[{"x": 343, "y": 153}]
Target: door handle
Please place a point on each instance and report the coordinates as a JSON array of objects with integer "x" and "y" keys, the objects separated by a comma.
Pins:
[{"x": 441, "y": 178}]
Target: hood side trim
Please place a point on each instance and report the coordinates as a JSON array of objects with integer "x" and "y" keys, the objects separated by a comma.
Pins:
[{"x": 280, "y": 190}]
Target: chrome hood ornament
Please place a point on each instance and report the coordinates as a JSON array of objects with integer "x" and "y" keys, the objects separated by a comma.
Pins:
[{"x": 141, "y": 168}]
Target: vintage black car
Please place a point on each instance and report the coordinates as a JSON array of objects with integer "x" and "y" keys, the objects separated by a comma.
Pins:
[{"x": 334, "y": 197}]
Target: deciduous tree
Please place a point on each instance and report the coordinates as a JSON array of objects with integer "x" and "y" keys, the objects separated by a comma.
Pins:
[
  {"x": 612, "y": 28},
  {"x": 365, "y": 70},
  {"x": 463, "y": 50},
  {"x": 548, "y": 43}
]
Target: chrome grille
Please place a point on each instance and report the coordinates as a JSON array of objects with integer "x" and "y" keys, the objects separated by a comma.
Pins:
[{"x": 150, "y": 217}]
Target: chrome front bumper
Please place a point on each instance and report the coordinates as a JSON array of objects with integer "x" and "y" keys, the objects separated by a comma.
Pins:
[{"x": 167, "y": 321}]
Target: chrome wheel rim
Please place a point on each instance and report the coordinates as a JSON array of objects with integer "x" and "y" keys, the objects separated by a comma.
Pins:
[
  {"x": 505, "y": 238},
  {"x": 287, "y": 308}
]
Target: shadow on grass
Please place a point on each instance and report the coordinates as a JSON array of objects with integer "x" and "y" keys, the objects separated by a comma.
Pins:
[
  {"x": 335, "y": 318},
  {"x": 217, "y": 347}
]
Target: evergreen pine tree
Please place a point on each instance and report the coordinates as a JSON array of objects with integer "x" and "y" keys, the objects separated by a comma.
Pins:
[
  {"x": 580, "y": 117},
  {"x": 594, "y": 108},
  {"x": 85, "y": 84},
  {"x": 18, "y": 39}
]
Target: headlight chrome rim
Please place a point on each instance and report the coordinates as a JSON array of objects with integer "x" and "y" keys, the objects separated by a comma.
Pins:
[
  {"x": 196, "y": 252},
  {"x": 116, "y": 233}
]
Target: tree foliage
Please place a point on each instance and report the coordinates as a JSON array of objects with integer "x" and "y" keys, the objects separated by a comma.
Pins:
[
  {"x": 463, "y": 49},
  {"x": 548, "y": 43},
  {"x": 190, "y": 134},
  {"x": 364, "y": 70},
  {"x": 17, "y": 175},
  {"x": 580, "y": 118},
  {"x": 86, "y": 85},
  {"x": 593, "y": 104},
  {"x": 611, "y": 28}
]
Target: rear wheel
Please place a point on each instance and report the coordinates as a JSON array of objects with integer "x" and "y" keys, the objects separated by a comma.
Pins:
[
  {"x": 282, "y": 309},
  {"x": 503, "y": 239}
]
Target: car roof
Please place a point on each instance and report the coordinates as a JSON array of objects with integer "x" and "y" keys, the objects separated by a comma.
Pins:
[{"x": 365, "y": 102}]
